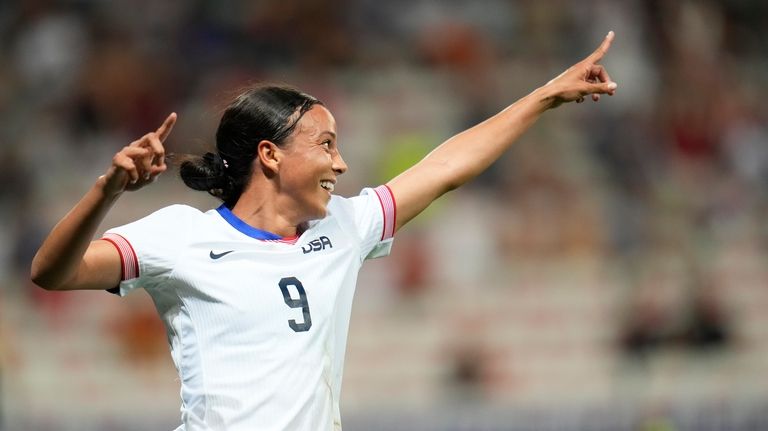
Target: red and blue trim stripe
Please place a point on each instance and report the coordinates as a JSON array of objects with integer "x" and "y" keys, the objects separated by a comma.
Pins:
[
  {"x": 389, "y": 209},
  {"x": 130, "y": 263}
]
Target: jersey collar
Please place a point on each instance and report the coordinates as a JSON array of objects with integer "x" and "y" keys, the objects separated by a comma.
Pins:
[{"x": 244, "y": 227}]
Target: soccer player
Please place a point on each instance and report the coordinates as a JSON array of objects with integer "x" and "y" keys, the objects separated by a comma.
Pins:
[{"x": 256, "y": 294}]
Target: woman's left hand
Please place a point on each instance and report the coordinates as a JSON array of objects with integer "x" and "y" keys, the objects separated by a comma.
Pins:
[{"x": 585, "y": 78}]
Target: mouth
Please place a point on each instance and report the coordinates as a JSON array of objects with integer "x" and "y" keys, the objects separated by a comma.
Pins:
[{"x": 327, "y": 185}]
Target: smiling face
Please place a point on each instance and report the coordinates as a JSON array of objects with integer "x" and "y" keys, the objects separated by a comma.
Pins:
[{"x": 311, "y": 163}]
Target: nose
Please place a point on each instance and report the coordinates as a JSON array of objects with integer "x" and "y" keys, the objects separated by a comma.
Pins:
[{"x": 339, "y": 166}]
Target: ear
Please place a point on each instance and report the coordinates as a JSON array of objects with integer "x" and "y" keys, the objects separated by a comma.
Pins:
[{"x": 269, "y": 156}]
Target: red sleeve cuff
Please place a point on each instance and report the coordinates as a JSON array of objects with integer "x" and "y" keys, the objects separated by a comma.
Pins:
[
  {"x": 130, "y": 264},
  {"x": 389, "y": 209}
]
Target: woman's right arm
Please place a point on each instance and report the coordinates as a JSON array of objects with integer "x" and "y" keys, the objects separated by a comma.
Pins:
[{"x": 68, "y": 259}]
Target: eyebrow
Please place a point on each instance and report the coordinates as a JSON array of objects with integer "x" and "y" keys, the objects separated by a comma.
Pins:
[{"x": 328, "y": 132}]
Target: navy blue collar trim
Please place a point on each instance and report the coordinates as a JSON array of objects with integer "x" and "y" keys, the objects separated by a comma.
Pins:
[{"x": 243, "y": 226}]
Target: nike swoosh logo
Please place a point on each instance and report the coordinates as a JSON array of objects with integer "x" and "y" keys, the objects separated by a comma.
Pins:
[{"x": 219, "y": 255}]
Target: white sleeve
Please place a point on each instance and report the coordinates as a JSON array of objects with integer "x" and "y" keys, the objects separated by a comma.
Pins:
[
  {"x": 149, "y": 247},
  {"x": 374, "y": 215}
]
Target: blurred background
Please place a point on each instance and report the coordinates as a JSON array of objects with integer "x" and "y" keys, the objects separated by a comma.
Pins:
[{"x": 608, "y": 273}]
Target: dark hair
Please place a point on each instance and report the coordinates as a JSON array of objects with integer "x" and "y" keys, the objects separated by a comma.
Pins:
[{"x": 264, "y": 112}]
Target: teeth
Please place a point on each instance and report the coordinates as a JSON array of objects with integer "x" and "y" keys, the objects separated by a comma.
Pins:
[{"x": 327, "y": 185}]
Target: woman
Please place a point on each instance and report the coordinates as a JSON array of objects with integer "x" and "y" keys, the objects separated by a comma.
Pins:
[{"x": 256, "y": 294}]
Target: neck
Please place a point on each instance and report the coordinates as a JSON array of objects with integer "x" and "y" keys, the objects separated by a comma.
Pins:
[{"x": 260, "y": 207}]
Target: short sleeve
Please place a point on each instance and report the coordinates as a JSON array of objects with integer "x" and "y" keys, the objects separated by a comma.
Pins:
[
  {"x": 374, "y": 217},
  {"x": 149, "y": 247}
]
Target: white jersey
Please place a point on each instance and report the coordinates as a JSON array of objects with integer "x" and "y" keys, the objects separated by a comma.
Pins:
[{"x": 257, "y": 324}]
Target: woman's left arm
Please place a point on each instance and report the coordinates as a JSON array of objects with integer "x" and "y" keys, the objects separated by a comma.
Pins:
[{"x": 467, "y": 154}]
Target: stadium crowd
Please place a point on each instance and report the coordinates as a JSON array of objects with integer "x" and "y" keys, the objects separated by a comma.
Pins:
[{"x": 652, "y": 203}]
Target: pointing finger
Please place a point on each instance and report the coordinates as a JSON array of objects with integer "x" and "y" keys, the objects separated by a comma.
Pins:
[
  {"x": 602, "y": 49},
  {"x": 165, "y": 129}
]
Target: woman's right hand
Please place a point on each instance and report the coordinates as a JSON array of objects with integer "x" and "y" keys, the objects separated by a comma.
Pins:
[{"x": 139, "y": 163}]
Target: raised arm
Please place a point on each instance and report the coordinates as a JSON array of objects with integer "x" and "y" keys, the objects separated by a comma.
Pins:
[
  {"x": 467, "y": 154},
  {"x": 68, "y": 259}
]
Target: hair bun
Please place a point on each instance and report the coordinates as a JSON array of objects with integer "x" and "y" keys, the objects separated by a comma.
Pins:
[
  {"x": 205, "y": 173},
  {"x": 215, "y": 161}
]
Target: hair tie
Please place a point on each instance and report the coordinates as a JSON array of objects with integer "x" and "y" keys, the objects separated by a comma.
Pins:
[{"x": 216, "y": 159}]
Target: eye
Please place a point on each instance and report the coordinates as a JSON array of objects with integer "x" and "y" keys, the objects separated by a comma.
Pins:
[{"x": 327, "y": 143}]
